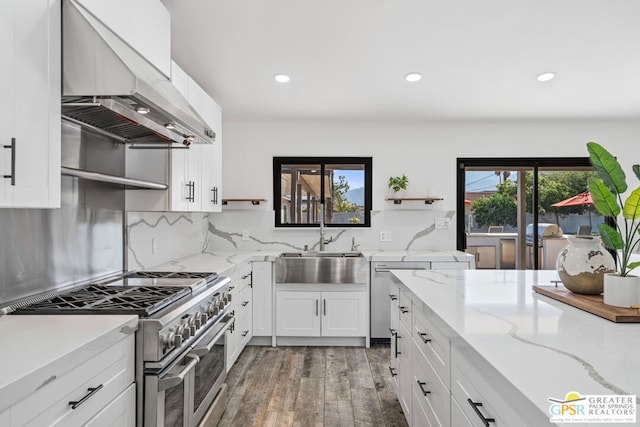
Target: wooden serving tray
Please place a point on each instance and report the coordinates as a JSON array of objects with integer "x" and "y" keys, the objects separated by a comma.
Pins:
[{"x": 590, "y": 303}]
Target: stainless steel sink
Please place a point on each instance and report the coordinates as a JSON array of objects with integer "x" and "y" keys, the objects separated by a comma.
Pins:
[{"x": 321, "y": 267}]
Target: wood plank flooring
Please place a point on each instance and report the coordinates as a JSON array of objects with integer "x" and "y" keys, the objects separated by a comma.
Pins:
[{"x": 312, "y": 386}]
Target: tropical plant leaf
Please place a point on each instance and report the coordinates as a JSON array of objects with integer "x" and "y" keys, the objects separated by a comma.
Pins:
[
  {"x": 603, "y": 199},
  {"x": 607, "y": 167},
  {"x": 610, "y": 236},
  {"x": 631, "y": 208},
  {"x": 636, "y": 170},
  {"x": 633, "y": 265}
]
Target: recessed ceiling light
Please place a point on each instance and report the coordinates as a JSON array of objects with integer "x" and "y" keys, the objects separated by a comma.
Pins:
[
  {"x": 170, "y": 125},
  {"x": 142, "y": 110},
  {"x": 545, "y": 77},
  {"x": 413, "y": 77},
  {"x": 282, "y": 78}
]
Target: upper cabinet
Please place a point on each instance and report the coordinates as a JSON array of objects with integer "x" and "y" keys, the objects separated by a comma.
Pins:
[
  {"x": 145, "y": 25},
  {"x": 196, "y": 173},
  {"x": 30, "y": 109}
]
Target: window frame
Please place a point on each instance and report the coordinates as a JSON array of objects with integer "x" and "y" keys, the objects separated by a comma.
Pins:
[{"x": 279, "y": 161}]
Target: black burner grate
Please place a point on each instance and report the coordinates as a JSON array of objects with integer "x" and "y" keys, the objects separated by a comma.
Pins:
[{"x": 99, "y": 299}]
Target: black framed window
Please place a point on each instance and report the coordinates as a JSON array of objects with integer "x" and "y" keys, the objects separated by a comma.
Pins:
[{"x": 303, "y": 187}]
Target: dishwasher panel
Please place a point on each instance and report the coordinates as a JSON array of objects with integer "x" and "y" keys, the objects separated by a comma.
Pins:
[{"x": 381, "y": 279}]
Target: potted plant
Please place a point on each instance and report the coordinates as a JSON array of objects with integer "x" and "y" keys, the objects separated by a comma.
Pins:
[
  {"x": 620, "y": 289},
  {"x": 397, "y": 184}
]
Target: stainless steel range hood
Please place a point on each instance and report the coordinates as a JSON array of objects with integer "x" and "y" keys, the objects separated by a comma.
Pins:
[{"x": 109, "y": 86}]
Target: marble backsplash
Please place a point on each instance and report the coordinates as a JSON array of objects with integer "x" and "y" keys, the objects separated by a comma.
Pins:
[{"x": 155, "y": 238}]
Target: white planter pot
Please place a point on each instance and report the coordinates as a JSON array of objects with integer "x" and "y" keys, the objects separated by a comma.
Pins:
[{"x": 621, "y": 291}]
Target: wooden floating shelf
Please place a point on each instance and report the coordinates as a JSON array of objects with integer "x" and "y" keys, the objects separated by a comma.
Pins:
[
  {"x": 426, "y": 200},
  {"x": 253, "y": 201}
]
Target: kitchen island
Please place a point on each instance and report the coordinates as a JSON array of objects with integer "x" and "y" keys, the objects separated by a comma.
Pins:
[{"x": 526, "y": 347}]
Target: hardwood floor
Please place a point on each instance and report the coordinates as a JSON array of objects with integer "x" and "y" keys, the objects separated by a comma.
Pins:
[{"x": 312, "y": 386}]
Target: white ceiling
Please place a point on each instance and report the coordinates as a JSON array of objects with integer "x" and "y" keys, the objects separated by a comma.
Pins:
[{"x": 347, "y": 58}]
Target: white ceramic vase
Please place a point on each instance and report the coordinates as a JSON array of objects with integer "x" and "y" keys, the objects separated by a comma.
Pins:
[
  {"x": 621, "y": 291},
  {"x": 583, "y": 264}
]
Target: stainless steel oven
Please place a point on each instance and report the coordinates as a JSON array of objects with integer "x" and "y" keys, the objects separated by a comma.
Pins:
[
  {"x": 180, "y": 341},
  {"x": 182, "y": 393}
]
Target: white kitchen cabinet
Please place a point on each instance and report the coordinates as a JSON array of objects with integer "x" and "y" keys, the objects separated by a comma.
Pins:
[
  {"x": 30, "y": 132},
  {"x": 241, "y": 308},
  {"x": 106, "y": 376},
  {"x": 145, "y": 25},
  {"x": 262, "y": 278},
  {"x": 298, "y": 314},
  {"x": 430, "y": 396},
  {"x": 120, "y": 412},
  {"x": 211, "y": 158},
  {"x": 327, "y": 314},
  {"x": 196, "y": 173},
  {"x": 403, "y": 344}
]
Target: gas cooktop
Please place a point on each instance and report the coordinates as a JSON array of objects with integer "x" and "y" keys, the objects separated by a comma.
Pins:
[{"x": 108, "y": 299}]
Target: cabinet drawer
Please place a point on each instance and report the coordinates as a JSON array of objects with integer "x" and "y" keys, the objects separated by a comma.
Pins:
[
  {"x": 431, "y": 397},
  {"x": 458, "y": 417},
  {"x": 243, "y": 303},
  {"x": 119, "y": 412},
  {"x": 432, "y": 343},
  {"x": 110, "y": 372},
  {"x": 483, "y": 392},
  {"x": 244, "y": 328},
  {"x": 404, "y": 305}
]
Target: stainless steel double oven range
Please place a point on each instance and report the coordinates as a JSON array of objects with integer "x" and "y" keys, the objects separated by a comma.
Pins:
[{"x": 180, "y": 342}]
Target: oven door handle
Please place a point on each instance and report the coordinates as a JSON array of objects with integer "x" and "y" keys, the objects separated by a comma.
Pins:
[
  {"x": 174, "y": 380},
  {"x": 206, "y": 349}
]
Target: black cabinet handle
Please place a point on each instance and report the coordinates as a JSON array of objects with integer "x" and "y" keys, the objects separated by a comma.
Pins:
[
  {"x": 92, "y": 390},
  {"x": 484, "y": 419},
  {"x": 324, "y": 306},
  {"x": 214, "y": 199},
  {"x": 244, "y": 334},
  {"x": 12, "y": 147},
  {"x": 393, "y": 371},
  {"x": 421, "y": 384},
  {"x": 393, "y": 297},
  {"x": 424, "y": 338},
  {"x": 244, "y": 304},
  {"x": 404, "y": 310}
]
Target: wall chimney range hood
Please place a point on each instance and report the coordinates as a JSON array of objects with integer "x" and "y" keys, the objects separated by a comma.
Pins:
[{"x": 109, "y": 87}]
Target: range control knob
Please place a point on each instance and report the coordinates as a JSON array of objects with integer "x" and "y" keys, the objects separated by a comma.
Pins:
[
  {"x": 201, "y": 319},
  {"x": 168, "y": 340},
  {"x": 186, "y": 331},
  {"x": 197, "y": 321}
]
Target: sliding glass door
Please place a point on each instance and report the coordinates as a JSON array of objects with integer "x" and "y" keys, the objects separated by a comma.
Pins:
[{"x": 497, "y": 221}]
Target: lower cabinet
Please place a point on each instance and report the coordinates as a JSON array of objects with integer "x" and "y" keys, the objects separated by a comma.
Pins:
[
  {"x": 241, "y": 308},
  {"x": 441, "y": 381},
  {"x": 327, "y": 314},
  {"x": 96, "y": 391},
  {"x": 262, "y": 280}
]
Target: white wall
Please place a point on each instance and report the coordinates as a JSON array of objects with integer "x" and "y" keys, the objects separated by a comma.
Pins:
[{"x": 425, "y": 152}]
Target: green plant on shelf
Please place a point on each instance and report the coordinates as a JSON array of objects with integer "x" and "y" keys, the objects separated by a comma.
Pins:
[{"x": 397, "y": 183}]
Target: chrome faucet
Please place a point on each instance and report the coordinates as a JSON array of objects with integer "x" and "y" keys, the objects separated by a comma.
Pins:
[
  {"x": 323, "y": 241},
  {"x": 354, "y": 247}
]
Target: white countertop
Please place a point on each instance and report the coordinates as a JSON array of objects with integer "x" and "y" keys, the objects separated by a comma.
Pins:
[
  {"x": 544, "y": 347},
  {"x": 225, "y": 262},
  {"x": 39, "y": 349}
]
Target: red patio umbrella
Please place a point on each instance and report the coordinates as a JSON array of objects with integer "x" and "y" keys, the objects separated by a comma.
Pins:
[
  {"x": 582, "y": 199},
  {"x": 577, "y": 200}
]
